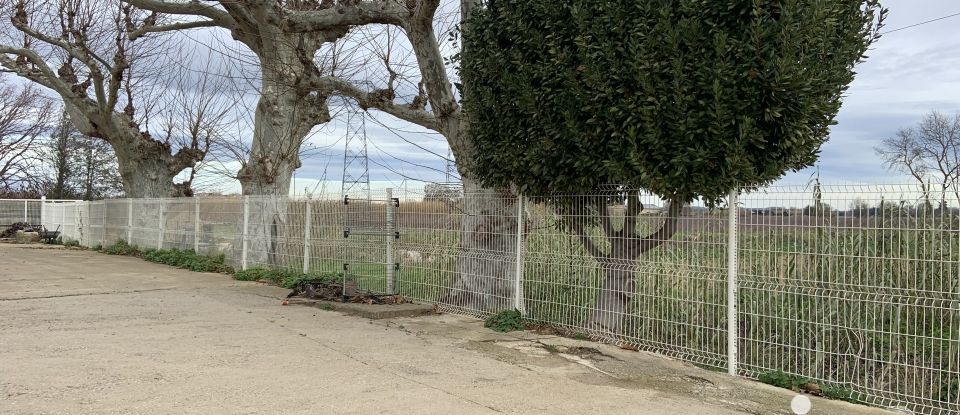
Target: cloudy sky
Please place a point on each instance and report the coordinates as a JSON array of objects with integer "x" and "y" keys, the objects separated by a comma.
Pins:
[{"x": 910, "y": 72}]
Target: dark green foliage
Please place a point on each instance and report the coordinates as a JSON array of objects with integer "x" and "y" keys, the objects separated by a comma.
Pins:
[
  {"x": 187, "y": 259},
  {"x": 284, "y": 277},
  {"x": 71, "y": 243},
  {"x": 97, "y": 247},
  {"x": 684, "y": 98},
  {"x": 120, "y": 247},
  {"x": 504, "y": 321},
  {"x": 950, "y": 391}
]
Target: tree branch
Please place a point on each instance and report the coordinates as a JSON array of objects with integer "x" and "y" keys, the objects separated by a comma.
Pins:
[
  {"x": 134, "y": 35},
  {"x": 585, "y": 240},
  {"x": 191, "y": 8},
  {"x": 432, "y": 69},
  {"x": 80, "y": 53},
  {"x": 41, "y": 73},
  {"x": 360, "y": 13},
  {"x": 662, "y": 235},
  {"x": 408, "y": 112}
]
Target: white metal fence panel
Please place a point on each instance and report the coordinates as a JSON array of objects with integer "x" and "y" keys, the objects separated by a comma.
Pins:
[
  {"x": 63, "y": 215},
  {"x": 854, "y": 285},
  {"x": 19, "y": 210}
]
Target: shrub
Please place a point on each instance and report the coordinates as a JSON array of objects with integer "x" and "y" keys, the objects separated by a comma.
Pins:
[
  {"x": 504, "y": 321},
  {"x": 71, "y": 243}
]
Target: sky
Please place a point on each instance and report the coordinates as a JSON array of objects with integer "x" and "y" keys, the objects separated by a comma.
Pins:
[{"x": 909, "y": 72}]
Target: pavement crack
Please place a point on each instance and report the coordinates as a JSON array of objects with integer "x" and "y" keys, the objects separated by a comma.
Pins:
[{"x": 41, "y": 297}]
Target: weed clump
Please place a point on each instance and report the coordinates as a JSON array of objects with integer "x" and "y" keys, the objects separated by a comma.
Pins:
[
  {"x": 284, "y": 277},
  {"x": 505, "y": 321},
  {"x": 120, "y": 247},
  {"x": 187, "y": 259},
  {"x": 802, "y": 384}
]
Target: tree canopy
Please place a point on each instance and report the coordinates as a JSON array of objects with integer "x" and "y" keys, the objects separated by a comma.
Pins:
[{"x": 685, "y": 98}]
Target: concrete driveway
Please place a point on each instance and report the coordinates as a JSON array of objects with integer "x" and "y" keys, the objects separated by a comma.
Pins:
[{"x": 86, "y": 333}]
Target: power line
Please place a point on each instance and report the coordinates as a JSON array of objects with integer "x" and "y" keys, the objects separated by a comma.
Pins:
[
  {"x": 921, "y": 23},
  {"x": 387, "y": 153}
]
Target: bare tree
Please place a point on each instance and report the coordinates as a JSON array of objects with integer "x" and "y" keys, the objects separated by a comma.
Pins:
[
  {"x": 25, "y": 115},
  {"x": 930, "y": 153},
  {"x": 79, "y": 49},
  {"x": 60, "y": 151},
  {"x": 78, "y": 166},
  {"x": 96, "y": 174},
  {"x": 285, "y": 36},
  {"x": 288, "y": 106}
]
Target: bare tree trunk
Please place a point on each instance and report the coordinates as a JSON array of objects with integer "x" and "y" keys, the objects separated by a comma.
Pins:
[
  {"x": 486, "y": 263},
  {"x": 616, "y": 293},
  {"x": 619, "y": 265},
  {"x": 284, "y": 117},
  {"x": 146, "y": 165}
]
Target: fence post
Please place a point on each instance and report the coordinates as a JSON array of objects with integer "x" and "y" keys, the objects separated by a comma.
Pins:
[
  {"x": 243, "y": 235},
  {"x": 26, "y": 219},
  {"x": 82, "y": 230},
  {"x": 518, "y": 277},
  {"x": 306, "y": 236},
  {"x": 390, "y": 224},
  {"x": 732, "y": 326},
  {"x": 130, "y": 221},
  {"x": 103, "y": 223},
  {"x": 196, "y": 224},
  {"x": 160, "y": 227},
  {"x": 43, "y": 203}
]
